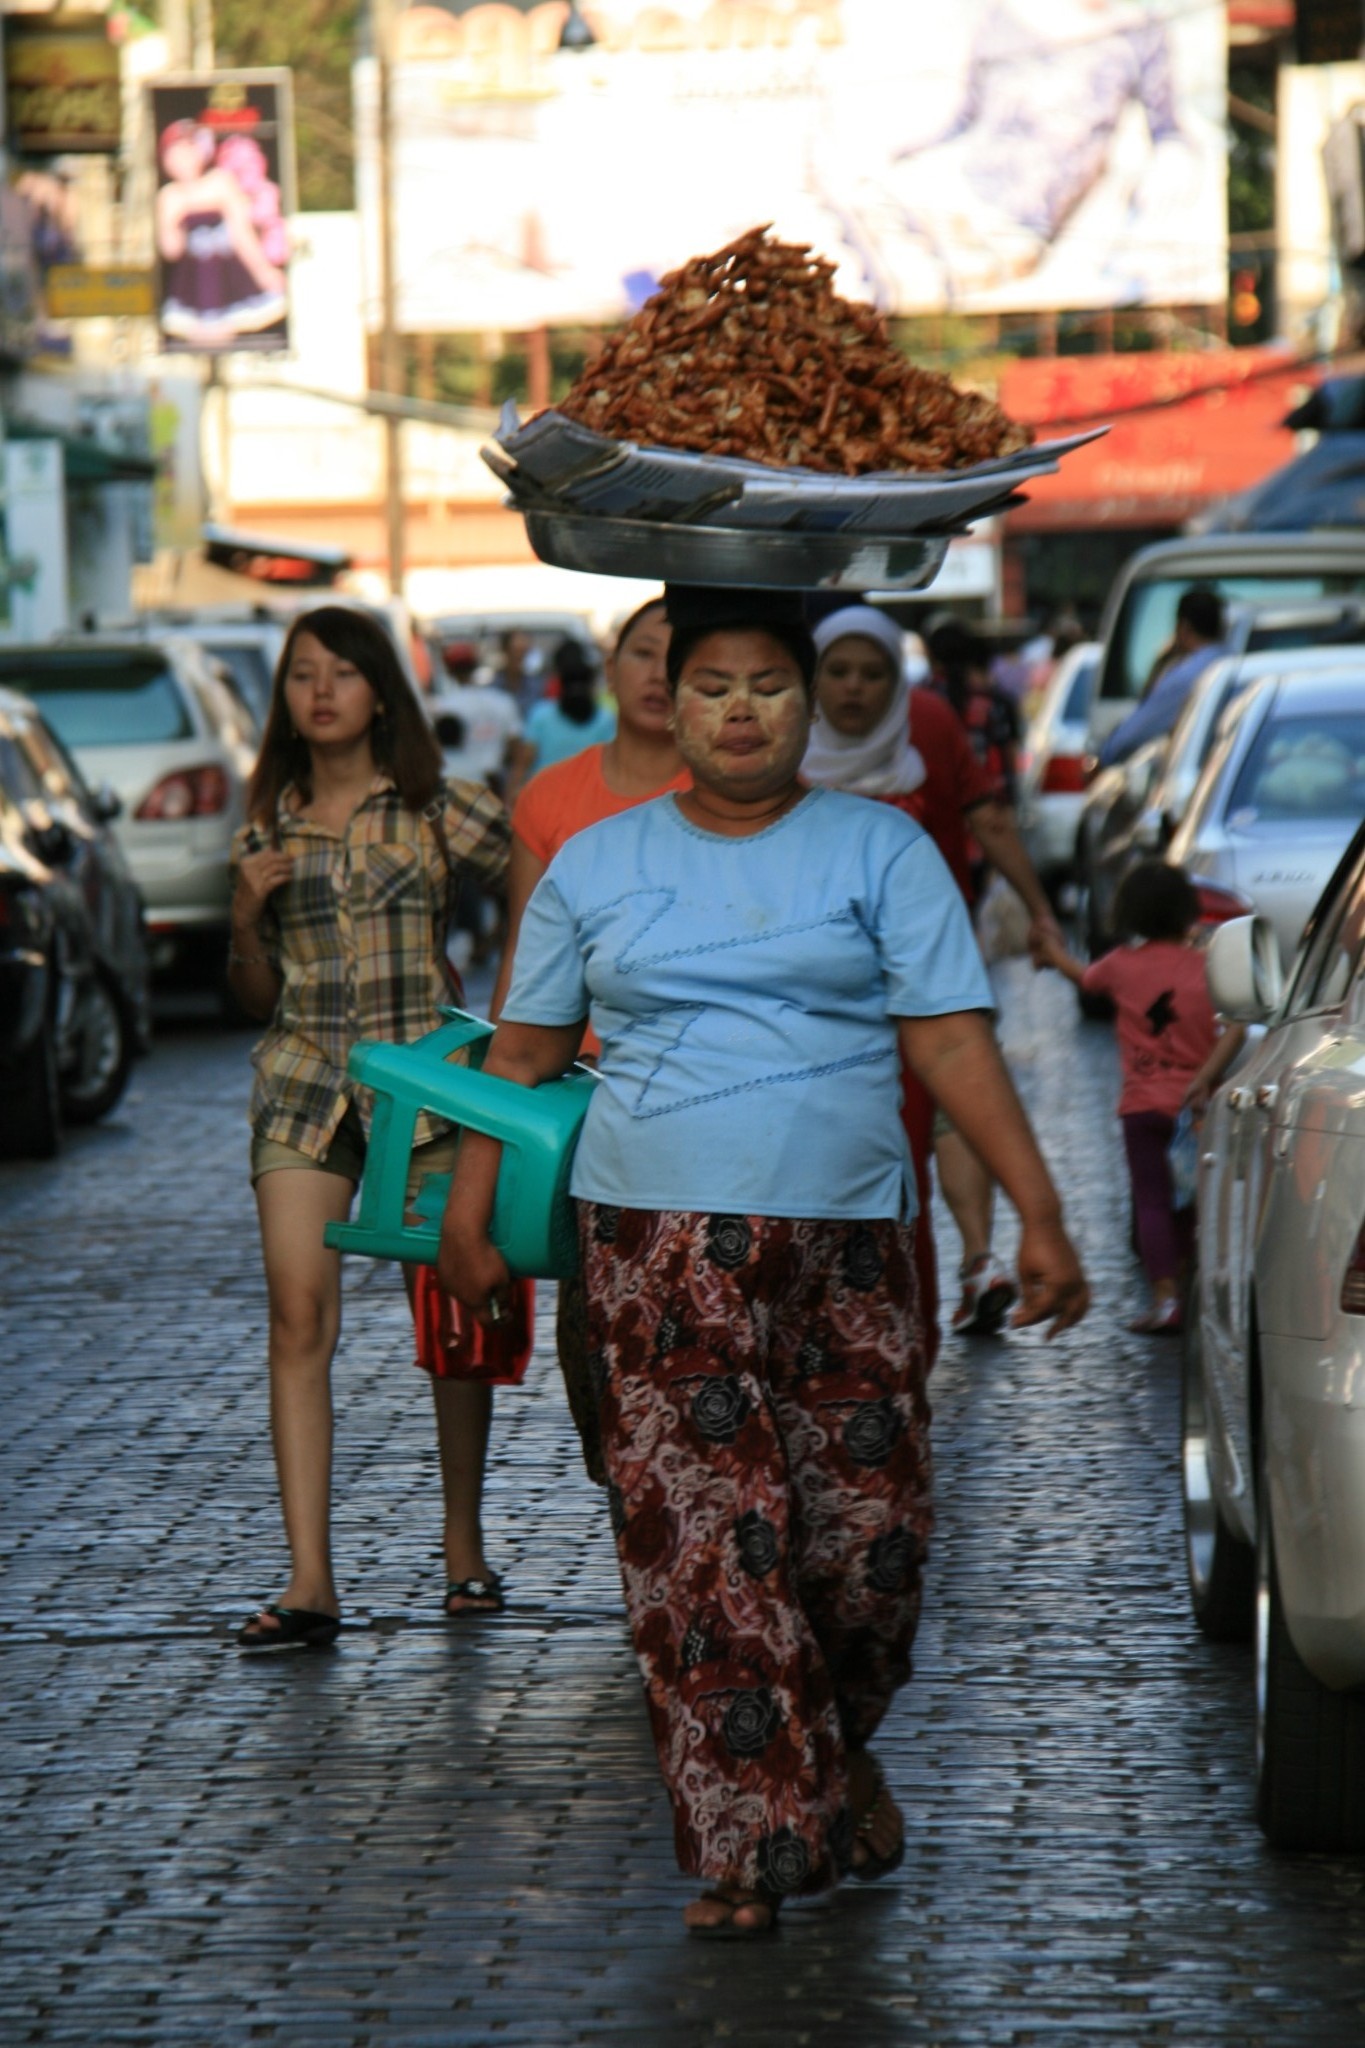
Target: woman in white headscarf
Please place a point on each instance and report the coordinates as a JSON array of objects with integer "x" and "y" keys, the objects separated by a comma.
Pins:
[
  {"x": 874, "y": 735},
  {"x": 860, "y": 741}
]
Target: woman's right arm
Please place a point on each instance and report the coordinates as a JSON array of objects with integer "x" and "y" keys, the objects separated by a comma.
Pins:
[
  {"x": 253, "y": 976},
  {"x": 524, "y": 870},
  {"x": 170, "y": 235},
  {"x": 469, "y": 1266}
]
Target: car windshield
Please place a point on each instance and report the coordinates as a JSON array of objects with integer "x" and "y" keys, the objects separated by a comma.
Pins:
[
  {"x": 1146, "y": 625},
  {"x": 1302, "y": 768},
  {"x": 120, "y": 703}
]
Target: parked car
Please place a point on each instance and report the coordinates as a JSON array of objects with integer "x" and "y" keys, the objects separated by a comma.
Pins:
[
  {"x": 249, "y": 650},
  {"x": 1265, "y": 628},
  {"x": 73, "y": 962},
  {"x": 1133, "y": 810},
  {"x": 1054, "y": 765},
  {"x": 152, "y": 719},
  {"x": 1281, "y": 794},
  {"x": 1273, "y": 1409},
  {"x": 1289, "y": 569}
]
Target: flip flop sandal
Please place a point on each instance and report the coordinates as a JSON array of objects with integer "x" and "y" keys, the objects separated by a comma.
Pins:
[
  {"x": 874, "y": 1866},
  {"x": 726, "y": 1930},
  {"x": 300, "y": 1628},
  {"x": 488, "y": 1590}
]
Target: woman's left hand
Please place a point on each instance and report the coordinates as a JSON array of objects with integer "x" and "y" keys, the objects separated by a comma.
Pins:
[{"x": 1051, "y": 1282}]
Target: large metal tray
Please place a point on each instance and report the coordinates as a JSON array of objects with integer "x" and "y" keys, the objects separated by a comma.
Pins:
[
  {"x": 749, "y": 558},
  {"x": 557, "y": 465}
]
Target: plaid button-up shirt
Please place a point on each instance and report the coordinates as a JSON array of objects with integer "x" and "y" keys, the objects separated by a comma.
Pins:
[{"x": 358, "y": 935}]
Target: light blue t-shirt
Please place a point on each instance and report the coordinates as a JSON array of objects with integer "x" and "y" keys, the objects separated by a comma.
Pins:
[
  {"x": 743, "y": 992},
  {"x": 557, "y": 738}
]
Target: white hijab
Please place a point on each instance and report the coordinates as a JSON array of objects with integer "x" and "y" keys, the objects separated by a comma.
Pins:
[{"x": 882, "y": 762}]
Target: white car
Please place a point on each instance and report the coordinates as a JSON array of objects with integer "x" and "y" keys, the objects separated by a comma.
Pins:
[
  {"x": 1054, "y": 764},
  {"x": 153, "y": 719},
  {"x": 1274, "y": 1373},
  {"x": 1281, "y": 793}
]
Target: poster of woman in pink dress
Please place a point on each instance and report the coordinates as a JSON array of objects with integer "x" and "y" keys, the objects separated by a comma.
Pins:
[{"x": 221, "y": 236}]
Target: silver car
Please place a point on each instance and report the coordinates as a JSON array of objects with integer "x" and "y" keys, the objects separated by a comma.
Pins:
[
  {"x": 1281, "y": 793},
  {"x": 1274, "y": 1373},
  {"x": 154, "y": 720},
  {"x": 1133, "y": 810},
  {"x": 1054, "y": 764}
]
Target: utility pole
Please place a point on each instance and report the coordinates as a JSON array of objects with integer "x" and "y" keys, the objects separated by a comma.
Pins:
[{"x": 390, "y": 342}]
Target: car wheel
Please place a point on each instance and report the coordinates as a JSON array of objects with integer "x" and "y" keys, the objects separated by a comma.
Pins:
[
  {"x": 104, "y": 1057},
  {"x": 32, "y": 1120},
  {"x": 1310, "y": 1741},
  {"x": 1222, "y": 1569}
]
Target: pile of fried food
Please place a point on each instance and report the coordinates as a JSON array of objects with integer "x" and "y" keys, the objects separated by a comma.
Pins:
[{"x": 751, "y": 352}]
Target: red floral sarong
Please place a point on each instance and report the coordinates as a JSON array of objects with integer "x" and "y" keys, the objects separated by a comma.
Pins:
[{"x": 766, "y": 1431}]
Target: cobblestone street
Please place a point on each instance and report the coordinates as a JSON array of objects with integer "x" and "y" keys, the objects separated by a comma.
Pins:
[{"x": 455, "y": 1834}]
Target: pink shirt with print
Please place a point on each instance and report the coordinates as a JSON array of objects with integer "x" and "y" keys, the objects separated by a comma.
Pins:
[{"x": 1166, "y": 1025}]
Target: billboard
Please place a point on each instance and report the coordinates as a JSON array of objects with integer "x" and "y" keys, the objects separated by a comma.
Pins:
[
  {"x": 62, "y": 89},
  {"x": 995, "y": 155},
  {"x": 225, "y": 184}
]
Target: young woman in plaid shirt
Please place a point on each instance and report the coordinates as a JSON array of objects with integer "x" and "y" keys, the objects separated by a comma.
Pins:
[{"x": 343, "y": 876}]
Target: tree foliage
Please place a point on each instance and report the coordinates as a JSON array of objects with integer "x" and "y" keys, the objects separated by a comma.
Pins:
[{"x": 316, "y": 40}]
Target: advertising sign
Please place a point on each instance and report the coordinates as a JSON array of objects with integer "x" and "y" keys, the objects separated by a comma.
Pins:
[
  {"x": 225, "y": 183},
  {"x": 76, "y": 291},
  {"x": 995, "y": 155},
  {"x": 62, "y": 90}
]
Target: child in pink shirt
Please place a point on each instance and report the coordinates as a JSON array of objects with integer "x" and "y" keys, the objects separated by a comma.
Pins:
[{"x": 1172, "y": 1054}]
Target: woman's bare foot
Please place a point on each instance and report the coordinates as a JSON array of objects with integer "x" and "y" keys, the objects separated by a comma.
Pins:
[
  {"x": 879, "y": 1824},
  {"x": 728, "y": 1914}
]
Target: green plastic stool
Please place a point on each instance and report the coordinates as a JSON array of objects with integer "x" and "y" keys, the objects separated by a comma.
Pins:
[{"x": 533, "y": 1220}]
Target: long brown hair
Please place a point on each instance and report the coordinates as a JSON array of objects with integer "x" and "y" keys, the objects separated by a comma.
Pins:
[{"x": 402, "y": 742}]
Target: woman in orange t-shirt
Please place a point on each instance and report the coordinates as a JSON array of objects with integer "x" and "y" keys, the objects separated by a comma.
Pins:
[{"x": 640, "y": 763}]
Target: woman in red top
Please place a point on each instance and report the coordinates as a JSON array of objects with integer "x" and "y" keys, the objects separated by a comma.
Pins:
[{"x": 875, "y": 736}]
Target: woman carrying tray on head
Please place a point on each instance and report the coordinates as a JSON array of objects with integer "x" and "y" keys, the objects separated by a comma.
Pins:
[
  {"x": 754, "y": 956},
  {"x": 343, "y": 877}
]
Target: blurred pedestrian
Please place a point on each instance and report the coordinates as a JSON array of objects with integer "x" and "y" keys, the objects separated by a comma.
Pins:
[
  {"x": 962, "y": 674},
  {"x": 640, "y": 761},
  {"x": 1172, "y": 1054},
  {"x": 1199, "y": 627},
  {"x": 753, "y": 953},
  {"x": 563, "y": 724},
  {"x": 342, "y": 881},
  {"x": 874, "y": 736}
]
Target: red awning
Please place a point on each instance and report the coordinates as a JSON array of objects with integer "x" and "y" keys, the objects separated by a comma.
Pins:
[{"x": 1185, "y": 430}]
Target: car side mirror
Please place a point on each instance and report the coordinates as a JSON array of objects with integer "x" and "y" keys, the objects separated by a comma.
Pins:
[
  {"x": 1246, "y": 978},
  {"x": 106, "y": 803}
]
